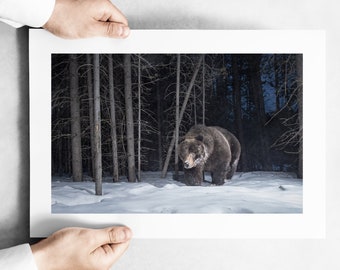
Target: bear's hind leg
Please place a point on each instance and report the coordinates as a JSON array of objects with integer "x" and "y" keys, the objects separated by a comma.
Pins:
[{"x": 232, "y": 170}]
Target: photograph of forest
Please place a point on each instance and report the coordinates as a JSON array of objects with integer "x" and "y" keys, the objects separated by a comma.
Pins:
[{"x": 117, "y": 119}]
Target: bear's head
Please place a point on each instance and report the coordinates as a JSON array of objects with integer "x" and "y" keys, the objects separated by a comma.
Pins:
[{"x": 192, "y": 152}]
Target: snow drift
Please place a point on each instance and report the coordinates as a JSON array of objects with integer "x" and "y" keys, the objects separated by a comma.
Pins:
[{"x": 252, "y": 192}]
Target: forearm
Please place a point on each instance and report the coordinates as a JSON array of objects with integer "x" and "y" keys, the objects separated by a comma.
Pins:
[{"x": 34, "y": 13}]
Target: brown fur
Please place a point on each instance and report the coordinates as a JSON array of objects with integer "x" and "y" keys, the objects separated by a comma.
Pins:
[{"x": 211, "y": 149}]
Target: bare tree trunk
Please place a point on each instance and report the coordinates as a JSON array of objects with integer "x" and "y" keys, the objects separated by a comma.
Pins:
[
  {"x": 195, "y": 106},
  {"x": 203, "y": 90},
  {"x": 159, "y": 126},
  {"x": 172, "y": 143},
  {"x": 91, "y": 114},
  {"x": 237, "y": 109},
  {"x": 177, "y": 113},
  {"x": 299, "y": 71},
  {"x": 139, "y": 121},
  {"x": 97, "y": 126},
  {"x": 77, "y": 169},
  {"x": 129, "y": 119},
  {"x": 113, "y": 122},
  {"x": 256, "y": 83},
  {"x": 277, "y": 86}
]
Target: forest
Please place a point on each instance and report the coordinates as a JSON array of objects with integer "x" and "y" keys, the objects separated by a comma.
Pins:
[{"x": 121, "y": 114}]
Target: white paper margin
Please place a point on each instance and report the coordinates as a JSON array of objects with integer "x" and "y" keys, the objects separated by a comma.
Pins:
[{"x": 310, "y": 224}]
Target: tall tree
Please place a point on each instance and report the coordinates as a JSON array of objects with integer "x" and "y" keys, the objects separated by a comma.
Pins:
[
  {"x": 129, "y": 119},
  {"x": 77, "y": 169},
  {"x": 178, "y": 82},
  {"x": 260, "y": 117},
  {"x": 90, "y": 100},
  {"x": 159, "y": 125},
  {"x": 187, "y": 95},
  {"x": 139, "y": 119},
  {"x": 237, "y": 109},
  {"x": 113, "y": 121},
  {"x": 277, "y": 84},
  {"x": 299, "y": 62},
  {"x": 97, "y": 126},
  {"x": 203, "y": 90}
]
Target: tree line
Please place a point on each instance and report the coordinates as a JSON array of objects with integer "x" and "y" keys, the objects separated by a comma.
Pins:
[{"x": 120, "y": 114}]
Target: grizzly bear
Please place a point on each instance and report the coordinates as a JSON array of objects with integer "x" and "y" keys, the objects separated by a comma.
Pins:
[{"x": 211, "y": 149}]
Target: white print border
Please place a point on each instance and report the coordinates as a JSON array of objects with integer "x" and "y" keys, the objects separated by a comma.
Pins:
[{"x": 309, "y": 224}]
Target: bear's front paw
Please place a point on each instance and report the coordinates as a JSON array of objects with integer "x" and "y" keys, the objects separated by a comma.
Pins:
[{"x": 193, "y": 177}]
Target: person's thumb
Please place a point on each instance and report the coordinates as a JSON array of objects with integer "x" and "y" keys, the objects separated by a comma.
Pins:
[
  {"x": 111, "y": 235},
  {"x": 112, "y": 29}
]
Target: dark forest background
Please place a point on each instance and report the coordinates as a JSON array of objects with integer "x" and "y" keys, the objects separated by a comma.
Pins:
[{"x": 117, "y": 115}]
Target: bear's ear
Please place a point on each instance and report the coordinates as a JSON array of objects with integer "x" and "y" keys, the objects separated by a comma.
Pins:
[
  {"x": 199, "y": 138},
  {"x": 181, "y": 139}
]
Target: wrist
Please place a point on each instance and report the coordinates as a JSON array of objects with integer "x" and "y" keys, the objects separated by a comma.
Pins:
[{"x": 40, "y": 257}]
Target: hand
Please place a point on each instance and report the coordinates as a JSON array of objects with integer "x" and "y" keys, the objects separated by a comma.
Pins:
[
  {"x": 87, "y": 18},
  {"x": 81, "y": 249}
]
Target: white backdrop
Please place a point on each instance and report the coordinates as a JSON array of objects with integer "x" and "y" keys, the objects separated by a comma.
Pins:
[{"x": 182, "y": 254}]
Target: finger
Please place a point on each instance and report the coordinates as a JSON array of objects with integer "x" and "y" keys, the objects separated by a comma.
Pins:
[
  {"x": 111, "y": 235},
  {"x": 117, "y": 15},
  {"x": 119, "y": 234},
  {"x": 111, "y": 13},
  {"x": 109, "y": 254},
  {"x": 118, "y": 250},
  {"x": 110, "y": 29}
]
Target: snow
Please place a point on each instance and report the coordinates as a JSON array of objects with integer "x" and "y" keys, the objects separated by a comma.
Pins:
[{"x": 251, "y": 192}]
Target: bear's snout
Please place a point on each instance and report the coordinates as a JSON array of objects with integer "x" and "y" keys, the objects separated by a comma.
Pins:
[
  {"x": 186, "y": 164},
  {"x": 189, "y": 162}
]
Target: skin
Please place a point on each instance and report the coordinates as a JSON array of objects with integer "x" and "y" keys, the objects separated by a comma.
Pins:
[
  {"x": 82, "y": 249},
  {"x": 73, "y": 19}
]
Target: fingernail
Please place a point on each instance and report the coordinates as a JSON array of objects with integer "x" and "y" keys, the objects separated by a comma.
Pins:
[
  {"x": 125, "y": 234},
  {"x": 124, "y": 31}
]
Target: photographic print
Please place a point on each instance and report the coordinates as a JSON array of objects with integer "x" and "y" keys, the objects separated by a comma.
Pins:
[
  {"x": 165, "y": 133},
  {"x": 168, "y": 129}
]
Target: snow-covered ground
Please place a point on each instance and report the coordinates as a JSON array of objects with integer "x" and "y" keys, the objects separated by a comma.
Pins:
[{"x": 252, "y": 192}]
